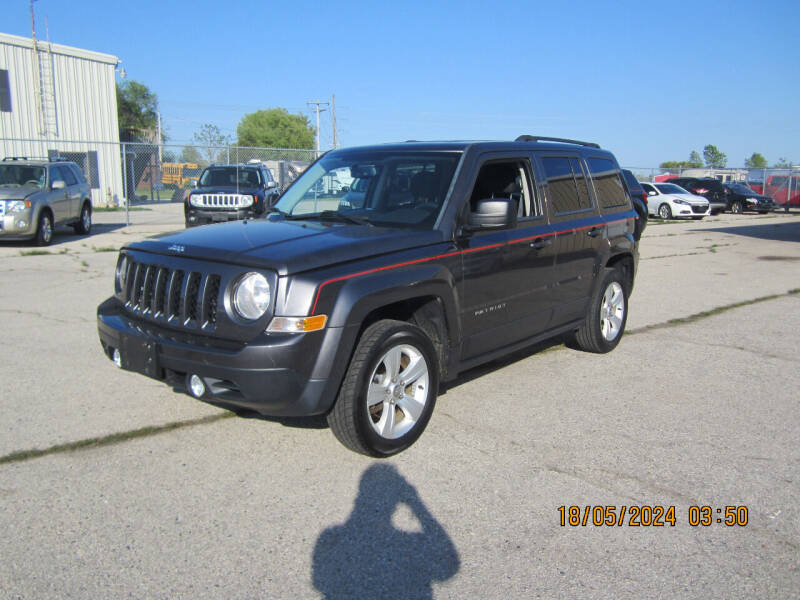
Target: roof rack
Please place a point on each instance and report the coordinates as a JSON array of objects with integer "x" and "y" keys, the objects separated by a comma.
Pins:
[
  {"x": 539, "y": 138},
  {"x": 42, "y": 158}
]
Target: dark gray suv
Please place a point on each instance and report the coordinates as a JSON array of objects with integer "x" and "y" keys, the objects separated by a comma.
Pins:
[{"x": 37, "y": 195}]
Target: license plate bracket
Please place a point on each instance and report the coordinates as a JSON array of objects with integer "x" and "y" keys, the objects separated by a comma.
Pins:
[{"x": 141, "y": 356}]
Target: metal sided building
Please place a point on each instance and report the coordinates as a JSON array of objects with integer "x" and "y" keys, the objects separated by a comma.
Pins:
[{"x": 61, "y": 101}]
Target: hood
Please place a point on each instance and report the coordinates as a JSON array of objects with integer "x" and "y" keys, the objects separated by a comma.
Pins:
[
  {"x": 693, "y": 198},
  {"x": 17, "y": 193},
  {"x": 288, "y": 247}
]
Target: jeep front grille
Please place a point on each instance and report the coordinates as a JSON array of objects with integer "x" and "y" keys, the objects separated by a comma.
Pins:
[
  {"x": 184, "y": 299},
  {"x": 221, "y": 200}
]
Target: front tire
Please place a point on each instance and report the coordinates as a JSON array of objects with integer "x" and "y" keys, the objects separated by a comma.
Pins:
[
  {"x": 44, "y": 231},
  {"x": 736, "y": 207},
  {"x": 389, "y": 390},
  {"x": 608, "y": 313},
  {"x": 665, "y": 212}
]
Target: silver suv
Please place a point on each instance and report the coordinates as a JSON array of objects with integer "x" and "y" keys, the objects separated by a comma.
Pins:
[{"x": 39, "y": 194}]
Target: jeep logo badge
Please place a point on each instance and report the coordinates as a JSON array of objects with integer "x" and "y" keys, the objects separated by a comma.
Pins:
[{"x": 176, "y": 248}]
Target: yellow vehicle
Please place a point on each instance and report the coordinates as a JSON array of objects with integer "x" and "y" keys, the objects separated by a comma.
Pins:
[{"x": 179, "y": 174}]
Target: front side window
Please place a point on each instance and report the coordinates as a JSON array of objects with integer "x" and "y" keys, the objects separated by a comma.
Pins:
[
  {"x": 506, "y": 179},
  {"x": 67, "y": 175},
  {"x": 393, "y": 189}
]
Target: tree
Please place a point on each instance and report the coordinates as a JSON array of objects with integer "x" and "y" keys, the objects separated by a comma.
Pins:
[
  {"x": 137, "y": 110},
  {"x": 713, "y": 157},
  {"x": 211, "y": 139},
  {"x": 190, "y": 154},
  {"x": 275, "y": 128},
  {"x": 756, "y": 161},
  {"x": 695, "y": 160},
  {"x": 782, "y": 163}
]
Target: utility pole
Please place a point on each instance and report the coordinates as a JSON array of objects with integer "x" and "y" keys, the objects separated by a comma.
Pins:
[
  {"x": 333, "y": 121},
  {"x": 317, "y": 105}
]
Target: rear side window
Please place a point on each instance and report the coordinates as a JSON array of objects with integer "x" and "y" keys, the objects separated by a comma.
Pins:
[
  {"x": 566, "y": 184},
  {"x": 607, "y": 183}
]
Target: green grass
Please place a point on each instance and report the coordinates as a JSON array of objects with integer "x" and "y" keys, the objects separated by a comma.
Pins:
[
  {"x": 105, "y": 249},
  {"x": 34, "y": 252},
  {"x": 108, "y": 440}
]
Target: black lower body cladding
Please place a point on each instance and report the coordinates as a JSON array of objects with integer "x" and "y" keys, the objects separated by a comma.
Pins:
[
  {"x": 276, "y": 374},
  {"x": 199, "y": 216}
]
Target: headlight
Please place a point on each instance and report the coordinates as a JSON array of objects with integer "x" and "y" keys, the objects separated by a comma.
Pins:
[
  {"x": 122, "y": 272},
  {"x": 251, "y": 296},
  {"x": 195, "y": 200},
  {"x": 15, "y": 206},
  {"x": 678, "y": 201}
]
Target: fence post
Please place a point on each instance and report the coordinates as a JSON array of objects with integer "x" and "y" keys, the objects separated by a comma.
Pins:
[{"x": 125, "y": 181}]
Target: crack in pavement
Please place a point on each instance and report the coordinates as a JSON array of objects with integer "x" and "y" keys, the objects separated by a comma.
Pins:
[{"x": 120, "y": 437}]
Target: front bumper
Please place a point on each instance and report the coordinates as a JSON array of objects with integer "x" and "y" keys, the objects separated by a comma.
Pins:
[
  {"x": 19, "y": 225},
  {"x": 275, "y": 374},
  {"x": 200, "y": 216}
]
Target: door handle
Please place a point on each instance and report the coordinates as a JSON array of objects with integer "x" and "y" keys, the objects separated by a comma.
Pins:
[
  {"x": 593, "y": 232},
  {"x": 540, "y": 243}
]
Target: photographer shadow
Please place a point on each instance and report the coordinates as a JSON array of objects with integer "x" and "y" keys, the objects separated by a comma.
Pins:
[{"x": 369, "y": 557}]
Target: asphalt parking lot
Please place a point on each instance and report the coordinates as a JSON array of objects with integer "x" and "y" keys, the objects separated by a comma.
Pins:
[{"x": 114, "y": 485}]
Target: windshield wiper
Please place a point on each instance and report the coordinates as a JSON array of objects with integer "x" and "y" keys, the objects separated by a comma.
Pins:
[{"x": 333, "y": 215}]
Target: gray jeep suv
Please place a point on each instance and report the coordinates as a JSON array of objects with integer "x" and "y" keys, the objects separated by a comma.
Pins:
[{"x": 37, "y": 195}]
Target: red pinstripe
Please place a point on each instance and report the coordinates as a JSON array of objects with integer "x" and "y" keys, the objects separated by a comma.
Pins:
[{"x": 467, "y": 251}]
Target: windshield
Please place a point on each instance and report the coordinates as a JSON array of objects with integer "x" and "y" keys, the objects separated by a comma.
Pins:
[
  {"x": 671, "y": 188},
  {"x": 381, "y": 188},
  {"x": 19, "y": 175},
  {"x": 229, "y": 177},
  {"x": 741, "y": 188}
]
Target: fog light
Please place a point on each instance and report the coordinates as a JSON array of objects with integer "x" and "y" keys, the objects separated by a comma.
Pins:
[
  {"x": 196, "y": 386},
  {"x": 116, "y": 357},
  {"x": 22, "y": 224}
]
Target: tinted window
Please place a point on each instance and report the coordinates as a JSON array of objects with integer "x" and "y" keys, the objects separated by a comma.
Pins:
[
  {"x": 566, "y": 184},
  {"x": 230, "y": 176},
  {"x": 607, "y": 184},
  {"x": 648, "y": 188}
]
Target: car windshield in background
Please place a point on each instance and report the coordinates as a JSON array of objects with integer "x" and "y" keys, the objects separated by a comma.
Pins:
[
  {"x": 380, "y": 188},
  {"x": 740, "y": 188},
  {"x": 671, "y": 188},
  {"x": 229, "y": 177},
  {"x": 19, "y": 175}
]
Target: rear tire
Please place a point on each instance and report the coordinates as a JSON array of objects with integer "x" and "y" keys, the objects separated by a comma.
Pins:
[
  {"x": 608, "y": 313},
  {"x": 389, "y": 390},
  {"x": 84, "y": 224}
]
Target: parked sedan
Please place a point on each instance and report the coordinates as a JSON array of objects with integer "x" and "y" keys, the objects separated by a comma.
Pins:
[
  {"x": 742, "y": 197},
  {"x": 707, "y": 187},
  {"x": 668, "y": 200}
]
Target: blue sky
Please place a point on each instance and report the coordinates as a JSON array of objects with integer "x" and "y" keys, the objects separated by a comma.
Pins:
[{"x": 649, "y": 82}]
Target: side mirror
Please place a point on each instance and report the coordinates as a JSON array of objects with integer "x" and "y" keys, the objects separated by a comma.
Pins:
[
  {"x": 651, "y": 193},
  {"x": 194, "y": 183},
  {"x": 58, "y": 184},
  {"x": 493, "y": 213},
  {"x": 271, "y": 184}
]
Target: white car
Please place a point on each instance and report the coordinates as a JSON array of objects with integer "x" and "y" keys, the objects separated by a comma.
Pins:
[{"x": 668, "y": 201}]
